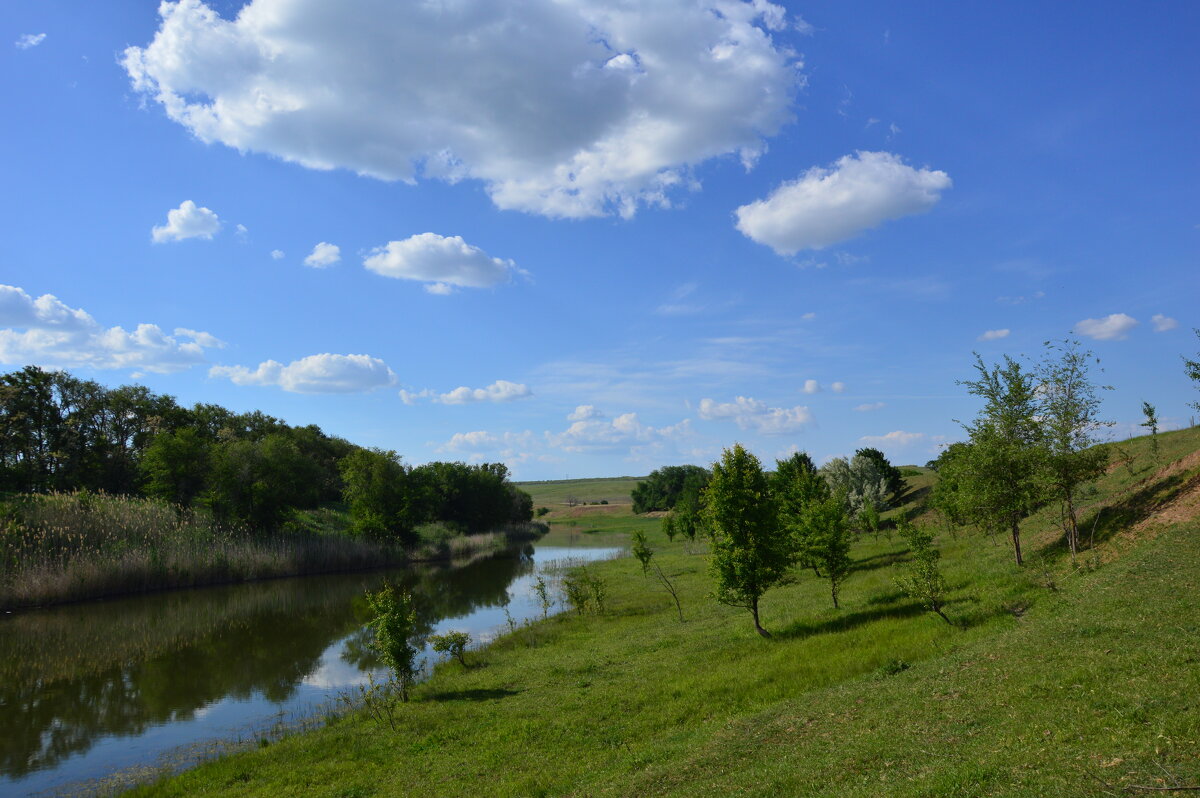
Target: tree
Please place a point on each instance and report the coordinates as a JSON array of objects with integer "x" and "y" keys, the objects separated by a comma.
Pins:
[
  {"x": 796, "y": 486},
  {"x": 668, "y": 528},
  {"x": 892, "y": 475},
  {"x": 922, "y": 578},
  {"x": 379, "y": 493},
  {"x": 1068, "y": 405},
  {"x": 1151, "y": 422},
  {"x": 452, "y": 643},
  {"x": 751, "y": 553},
  {"x": 1192, "y": 369},
  {"x": 859, "y": 481},
  {"x": 393, "y": 620},
  {"x": 1000, "y": 471},
  {"x": 175, "y": 466},
  {"x": 641, "y": 550},
  {"x": 667, "y": 486},
  {"x": 828, "y": 541}
]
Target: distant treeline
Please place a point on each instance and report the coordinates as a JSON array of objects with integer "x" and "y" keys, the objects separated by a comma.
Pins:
[{"x": 59, "y": 433}]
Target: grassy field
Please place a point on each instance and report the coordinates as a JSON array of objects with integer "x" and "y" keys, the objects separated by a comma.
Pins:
[
  {"x": 1057, "y": 681},
  {"x": 555, "y": 494}
]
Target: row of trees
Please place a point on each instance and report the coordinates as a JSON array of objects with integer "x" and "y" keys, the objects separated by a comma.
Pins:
[{"x": 61, "y": 433}]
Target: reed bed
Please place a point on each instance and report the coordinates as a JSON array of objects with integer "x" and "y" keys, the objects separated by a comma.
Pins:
[{"x": 70, "y": 546}]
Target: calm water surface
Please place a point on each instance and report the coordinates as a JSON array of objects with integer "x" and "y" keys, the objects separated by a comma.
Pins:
[{"x": 91, "y": 689}]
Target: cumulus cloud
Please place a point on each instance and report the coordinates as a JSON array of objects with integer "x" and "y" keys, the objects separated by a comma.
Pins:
[
  {"x": 187, "y": 221},
  {"x": 867, "y": 407},
  {"x": 811, "y": 386},
  {"x": 994, "y": 335},
  {"x": 498, "y": 391},
  {"x": 749, "y": 413},
  {"x": 441, "y": 262},
  {"x": 837, "y": 387},
  {"x": 584, "y": 413},
  {"x": 28, "y": 40},
  {"x": 1113, "y": 327},
  {"x": 324, "y": 254},
  {"x": 1163, "y": 323},
  {"x": 598, "y": 432},
  {"x": 325, "y": 373},
  {"x": 828, "y": 205},
  {"x": 47, "y": 332},
  {"x": 277, "y": 254},
  {"x": 564, "y": 109},
  {"x": 895, "y": 438}
]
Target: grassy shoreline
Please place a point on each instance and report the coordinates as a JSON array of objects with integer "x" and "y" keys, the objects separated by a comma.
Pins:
[
  {"x": 1061, "y": 681},
  {"x": 63, "y": 548}
]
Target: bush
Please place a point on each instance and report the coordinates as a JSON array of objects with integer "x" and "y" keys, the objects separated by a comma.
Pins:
[{"x": 452, "y": 643}]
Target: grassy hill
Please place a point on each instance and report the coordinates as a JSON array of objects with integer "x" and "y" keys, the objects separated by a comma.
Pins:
[
  {"x": 557, "y": 493},
  {"x": 1057, "y": 681}
]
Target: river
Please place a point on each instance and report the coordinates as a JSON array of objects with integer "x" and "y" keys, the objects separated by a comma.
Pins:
[{"x": 89, "y": 690}]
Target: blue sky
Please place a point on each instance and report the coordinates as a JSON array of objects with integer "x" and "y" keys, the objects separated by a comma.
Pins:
[{"x": 588, "y": 239}]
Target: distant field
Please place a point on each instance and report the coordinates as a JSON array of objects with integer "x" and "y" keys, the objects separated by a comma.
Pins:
[{"x": 555, "y": 493}]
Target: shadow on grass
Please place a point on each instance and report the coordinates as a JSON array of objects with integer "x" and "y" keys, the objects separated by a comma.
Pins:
[
  {"x": 849, "y": 620},
  {"x": 480, "y": 694},
  {"x": 879, "y": 561},
  {"x": 1105, "y": 522}
]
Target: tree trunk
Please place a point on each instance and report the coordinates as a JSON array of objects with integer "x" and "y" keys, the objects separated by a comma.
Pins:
[
  {"x": 757, "y": 626},
  {"x": 1016, "y": 539}
]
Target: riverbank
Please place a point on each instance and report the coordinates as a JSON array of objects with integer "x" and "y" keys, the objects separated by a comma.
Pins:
[
  {"x": 1057, "y": 681},
  {"x": 60, "y": 548}
]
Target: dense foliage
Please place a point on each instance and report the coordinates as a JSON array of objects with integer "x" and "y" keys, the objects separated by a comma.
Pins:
[
  {"x": 669, "y": 486},
  {"x": 248, "y": 470}
]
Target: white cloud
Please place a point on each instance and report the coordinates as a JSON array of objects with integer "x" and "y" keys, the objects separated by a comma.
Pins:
[
  {"x": 565, "y": 109},
  {"x": 323, "y": 255},
  {"x": 896, "y": 438},
  {"x": 277, "y": 254},
  {"x": 412, "y": 397},
  {"x": 498, "y": 391},
  {"x": 825, "y": 206},
  {"x": 325, "y": 373},
  {"x": 994, "y": 335},
  {"x": 241, "y": 232},
  {"x": 441, "y": 262},
  {"x": 749, "y": 413},
  {"x": 597, "y": 432},
  {"x": 1163, "y": 323},
  {"x": 1113, "y": 327},
  {"x": 869, "y": 406},
  {"x": 811, "y": 386},
  {"x": 809, "y": 316},
  {"x": 584, "y": 413},
  {"x": 187, "y": 221},
  {"x": 838, "y": 387},
  {"x": 47, "y": 332},
  {"x": 28, "y": 40}
]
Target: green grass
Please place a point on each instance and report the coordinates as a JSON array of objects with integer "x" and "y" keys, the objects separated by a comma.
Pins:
[
  {"x": 1040, "y": 692},
  {"x": 555, "y": 493}
]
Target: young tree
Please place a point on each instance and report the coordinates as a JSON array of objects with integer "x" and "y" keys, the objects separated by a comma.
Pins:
[
  {"x": 751, "y": 553},
  {"x": 922, "y": 578},
  {"x": 668, "y": 528},
  {"x": 999, "y": 472},
  {"x": 829, "y": 541},
  {"x": 1068, "y": 405},
  {"x": 641, "y": 549},
  {"x": 393, "y": 620},
  {"x": 1192, "y": 369},
  {"x": 797, "y": 485},
  {"x": 452, "y": 643},
  {"x": 1151, "y": 423}
]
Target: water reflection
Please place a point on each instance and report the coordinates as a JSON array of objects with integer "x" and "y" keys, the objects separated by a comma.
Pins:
[{"x": 78, "y": 682}]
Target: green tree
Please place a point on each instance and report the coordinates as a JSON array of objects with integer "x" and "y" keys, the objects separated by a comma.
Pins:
[
  {"x": 1151, "y": 423},
  {"x": 378, "y": 490},
  {"x": 257, "y": 483},
  {"x": 175, "y": 466},
  {"x": 452, "y": 643},
  {"x": 667, "y": 486},
  {"x": 922, "y": 577},
  {"x": 828, "y": 541},
  {"x": 641, "y": 550},
  {"x": 1192, "y": 369},
  {"x": 999, "y": 474},
  {"x": 1067, "y": 408},
  {"x": 393, "y": 620},
  {"x": 668, "y": 528},
  {"x": 894, "y": 479},
  {"x": 751, "y": 553},
  {"x": 796, "y": 486}
]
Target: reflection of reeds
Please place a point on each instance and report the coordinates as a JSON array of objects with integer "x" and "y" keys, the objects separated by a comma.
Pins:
[{"x": 70, "y": 546}]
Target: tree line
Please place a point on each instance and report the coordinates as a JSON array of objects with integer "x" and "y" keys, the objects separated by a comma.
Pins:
[{"x": 62, "y": 433}]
